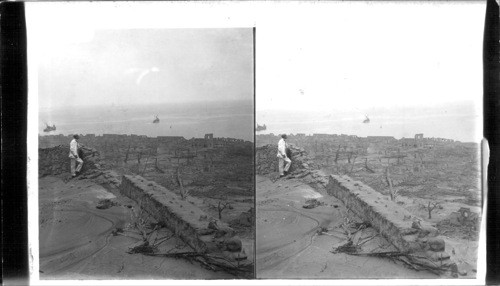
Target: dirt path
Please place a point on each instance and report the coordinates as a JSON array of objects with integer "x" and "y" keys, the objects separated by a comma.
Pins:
[
  {"x": 76, "y": 240},
  {"x": 288, "y": 245}
]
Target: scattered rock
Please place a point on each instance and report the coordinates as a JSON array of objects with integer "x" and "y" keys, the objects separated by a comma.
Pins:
[
  {"x": 213, "y": 225},
  {"x": 116, "y": 231},
  {"x": 312, "y": 203},
  {"x": 105, "y": 204},
  {"x": 233, "y": 244},
  {"x": 436, "y": 244}
]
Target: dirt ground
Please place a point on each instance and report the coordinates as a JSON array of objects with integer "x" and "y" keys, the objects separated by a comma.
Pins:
[
  {"x": 289, "y": 246},
  {"x": 80, "y": 241}
]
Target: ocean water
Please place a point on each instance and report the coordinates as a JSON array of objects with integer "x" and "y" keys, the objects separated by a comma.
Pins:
[
  {"x": 458, "y": 121},
  {"x": 234, "y": 119}
]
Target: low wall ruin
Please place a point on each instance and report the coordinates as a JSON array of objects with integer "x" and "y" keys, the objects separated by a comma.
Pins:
[
  {"x": 55, "y": 160},
  {"x": 409, "y": 234},
  {"x": 188, "y": 222}
]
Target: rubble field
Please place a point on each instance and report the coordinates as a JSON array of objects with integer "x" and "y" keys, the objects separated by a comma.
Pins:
[
  {"x": 209, "y": 176},
  {"x": 443, "y": 219}
]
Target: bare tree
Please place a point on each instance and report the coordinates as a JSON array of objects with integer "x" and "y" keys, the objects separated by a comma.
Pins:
[
  {"x": 157, "y": 167},
  {"x": 431, "y": 206},
  {"x": 393, "y": 192},
  {"x": 222, "y": 206},
  {"x": 337, "y": 155},
  {"x": 147, "y": 160},
  {"x": 126, "y": 154},
  {"x": 139, "y": 157},
  {"x": 184, "y": 193},
  {"x": 368, "y": 168},
  {"x": 354, "y": 155}
]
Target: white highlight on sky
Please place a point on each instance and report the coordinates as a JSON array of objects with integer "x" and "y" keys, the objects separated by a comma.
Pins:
[{"x": 143, "y": 73}]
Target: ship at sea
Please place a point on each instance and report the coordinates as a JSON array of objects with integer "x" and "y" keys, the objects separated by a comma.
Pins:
[
  {"x": 49, "y": 128},
  {"x": 260, "y": 128},
  {"x": 157, "y": 120},
  {"x": 367, "y": 120}
]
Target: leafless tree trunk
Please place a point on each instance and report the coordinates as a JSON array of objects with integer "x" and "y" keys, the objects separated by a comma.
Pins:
[
  {"x": 392, "y": 191},
  {"x": 431, "y": 207},
  {"x": 353, "y": 156},
  {"x": 147, "y": 160},
  {"x": 183, "y": 191},
  {"x": 157, "y": 167},
  {"x": 222, "y": 206},
  {"x": 126, "y": 154},
  {"x": 139, "y": 157},
  {"x": 368, "y": 168},
  {"x": 337, "y": 155}
]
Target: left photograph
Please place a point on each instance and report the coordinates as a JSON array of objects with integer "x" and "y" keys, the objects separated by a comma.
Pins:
[{"x": 145, "y": 152}]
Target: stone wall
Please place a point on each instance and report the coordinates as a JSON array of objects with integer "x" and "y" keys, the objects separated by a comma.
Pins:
[
  {"x": 267, "y": 161},
  {"x": 409, "y": 234},
  {"x": 303, "y": 167},
  {"x": 198, "y": 230},
  {"x": 55, "y": 160}
]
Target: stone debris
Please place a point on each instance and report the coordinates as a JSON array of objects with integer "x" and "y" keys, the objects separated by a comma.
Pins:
[
  {"x": 204, "y": 236},
  {"x": 106, "y": 204},
  {"x": 312, "y": 203}
]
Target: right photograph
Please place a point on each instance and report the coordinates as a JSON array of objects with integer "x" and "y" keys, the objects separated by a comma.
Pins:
[{"x": 368, "y": 142}]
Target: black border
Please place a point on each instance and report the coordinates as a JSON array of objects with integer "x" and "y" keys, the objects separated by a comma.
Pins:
[
  {"x": 491, "y": 107},
  {"x": 14, "y": 92},
  {"x": 254, "y": 160}
]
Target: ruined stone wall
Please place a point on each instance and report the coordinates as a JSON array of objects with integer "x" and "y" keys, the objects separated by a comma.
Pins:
[
  {"x": 197, "y": 229},
  {"x": 55, "y": 161},
  {"x": 267, "y": 161},
  {"x": 407, "y": 233}
]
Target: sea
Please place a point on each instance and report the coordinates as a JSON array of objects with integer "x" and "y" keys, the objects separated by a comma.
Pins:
[
  {"x": 460, "y": 121},
  {"x": 231, "y": 119}
]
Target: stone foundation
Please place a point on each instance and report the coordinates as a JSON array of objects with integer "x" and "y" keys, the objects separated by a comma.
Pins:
[
  {"x": 409, "y": 234},
  {"x": 187, "y": 221}
]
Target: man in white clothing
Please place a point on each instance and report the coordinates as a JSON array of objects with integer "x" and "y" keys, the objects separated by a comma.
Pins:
[
  {"x": 282, "y": 147},
  {"x": 73, "y": 155}
]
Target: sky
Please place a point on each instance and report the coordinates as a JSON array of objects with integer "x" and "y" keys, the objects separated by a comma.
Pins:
[
  {"x": 371, "y": 55},
  {"x": 324, "y": 68},
  {"x": 87, "y": 67},
  {"x": 354, "y": 58}
]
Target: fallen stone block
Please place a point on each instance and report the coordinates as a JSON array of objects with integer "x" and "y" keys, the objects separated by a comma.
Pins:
[
  {"x": 388, "y": 218},
  {"x": 180, "y": 216}
]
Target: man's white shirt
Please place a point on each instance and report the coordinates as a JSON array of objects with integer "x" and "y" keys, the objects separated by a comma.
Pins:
[
  {"x": 282, "y": 148},
  {"x": 73, "y": 148}
]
